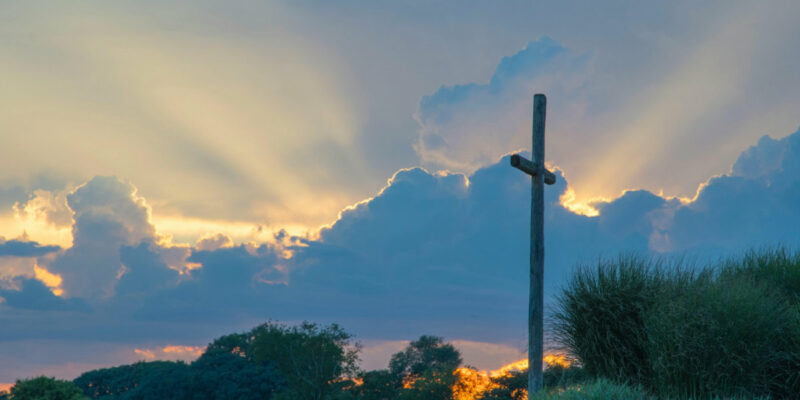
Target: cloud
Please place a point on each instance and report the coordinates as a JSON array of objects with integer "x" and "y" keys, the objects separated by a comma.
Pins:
[
  {"x": 35, "y": 295},
  {"x": 171, "y": 353},
  {"x": 755, "y": 205},
  {"x": 464, "y": 127},
  {"x": 213, "y": 242},
  {"x": 17, "y": 248},
  {"x": 438, "y": 253},
  {"x": 114, "y": 242}
]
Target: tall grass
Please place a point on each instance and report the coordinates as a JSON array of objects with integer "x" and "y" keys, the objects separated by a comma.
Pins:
[
  {"x": 597, "y": 390},
  {"x": 601, "y": 317},
  {"x": 728, "y": 330}
]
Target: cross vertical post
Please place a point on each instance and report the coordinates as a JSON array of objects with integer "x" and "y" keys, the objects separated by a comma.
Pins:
[{"x": 539, "y": 177}]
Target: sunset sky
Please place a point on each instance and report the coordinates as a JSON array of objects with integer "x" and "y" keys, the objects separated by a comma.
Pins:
[{"x": 174, "y": 171}]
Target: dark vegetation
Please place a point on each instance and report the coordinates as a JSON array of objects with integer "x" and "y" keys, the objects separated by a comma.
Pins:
[
  {"x": 637, "y": 328},
  {"x": 732, "y": 330}
]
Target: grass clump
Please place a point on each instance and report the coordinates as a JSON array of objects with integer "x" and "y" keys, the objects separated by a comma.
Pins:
[
  {"x": 597, "y": 390},
  {"x": 602, "y": 313},
  {"x": 731, "y": 330}
]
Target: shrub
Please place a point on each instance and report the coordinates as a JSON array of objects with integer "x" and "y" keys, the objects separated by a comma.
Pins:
[
  {"x": 601, "y": 314},
  {"x": 733, "y": 330},
  {"x": 561, "y": 377},
  {"x": 719, "y": 338}
]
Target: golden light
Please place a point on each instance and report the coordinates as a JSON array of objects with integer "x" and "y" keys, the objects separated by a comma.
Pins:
[
  {"x": 171, "y": 352},
  {"x": 51, "y": 280},
  {"x": 570, "y": 201},
  {"x": 556, "y": 360},
  {"x": 471, "y": 384}
]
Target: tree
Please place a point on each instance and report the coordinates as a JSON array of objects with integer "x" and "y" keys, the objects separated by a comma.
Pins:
[
  {"x": 513, "y": 386},
  {"x": 44, "y": 388},
  {"x": 426, "y": 369},
  {"x": 235, "y": 343},
  {"x": 229, "y": 375},
  {"x": 424, "y": 354},
  {"x": 141, "y": 380},
  {"x": 376, "y": 385},
  {"x": 311, "y": 357}
]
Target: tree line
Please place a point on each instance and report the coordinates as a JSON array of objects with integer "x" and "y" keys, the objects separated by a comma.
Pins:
[{"x": 278, "y": 362}]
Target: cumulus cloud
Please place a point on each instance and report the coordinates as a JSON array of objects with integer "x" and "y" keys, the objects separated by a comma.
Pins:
[
  {"x": 440, "y": 253},
  {"x": 112, "y": 234},
  {"x": 754, "y": 205},
  {"x": 464, "y": 127},
  {"x": 213, "y": 242}
]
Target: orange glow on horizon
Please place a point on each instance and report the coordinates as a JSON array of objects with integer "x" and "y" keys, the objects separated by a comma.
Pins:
[
  {"x": 471, "y": 384},
  {"x": 171, "y": 352}
]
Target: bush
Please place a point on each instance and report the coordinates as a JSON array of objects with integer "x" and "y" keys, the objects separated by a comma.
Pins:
[
  {"x": 557, "y": 376},
  {"x": 720, "y": 338},
  {"x": 601, "y": 317},
  {"x": 729, "y": 331}
]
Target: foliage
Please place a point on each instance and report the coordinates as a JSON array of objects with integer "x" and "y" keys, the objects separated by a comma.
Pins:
[
  {"x": 557, "y": 376},
  {"x": 733, "y": 330},
  {"x": 427, "y": 353},
  {"x": 375, "y": 385},
  {"x": 426, "y": 369},
  {"x": 734, "y": 335},
  {"x": 513, "y": 386},
  {"x": 215, "y": 375},
  {"x": 44, "y": 388},
  {"x": 137, "y": 381},
  {"x": 310, "y": 357},
  {"x": 601, "y": 316},
  {"x": 235, "y": 343},
  {"x": 226, "y": 375},
  {"x": 597, "y": 390}
]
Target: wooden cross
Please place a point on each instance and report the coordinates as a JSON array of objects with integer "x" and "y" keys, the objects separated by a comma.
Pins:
[{"x": 539, "y": 176}]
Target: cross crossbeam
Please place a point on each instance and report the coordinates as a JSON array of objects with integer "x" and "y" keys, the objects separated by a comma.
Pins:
[{"x": 531, "y": 168}]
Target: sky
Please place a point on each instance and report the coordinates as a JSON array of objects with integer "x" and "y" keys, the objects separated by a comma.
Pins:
[{"x": 174, "y": 171}]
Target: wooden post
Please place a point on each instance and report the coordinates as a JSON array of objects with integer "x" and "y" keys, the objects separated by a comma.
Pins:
[
  {"x": 539, "y": 177},
  {"x": 536, "y": 301}
]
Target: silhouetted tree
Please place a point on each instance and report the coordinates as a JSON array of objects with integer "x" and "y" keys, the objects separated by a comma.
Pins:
[
  {"x": 219, "y": 375},
  {"x": 376, "y": 385},
  {"x": 236, "y": 343},
  {"x": 312, "y": 358},
  {"x": 44, "y": 388},
  {"x": 509, "y": 387},
  {"x": 142, "y": 380},
  {"x": 426, "y": 369}
]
